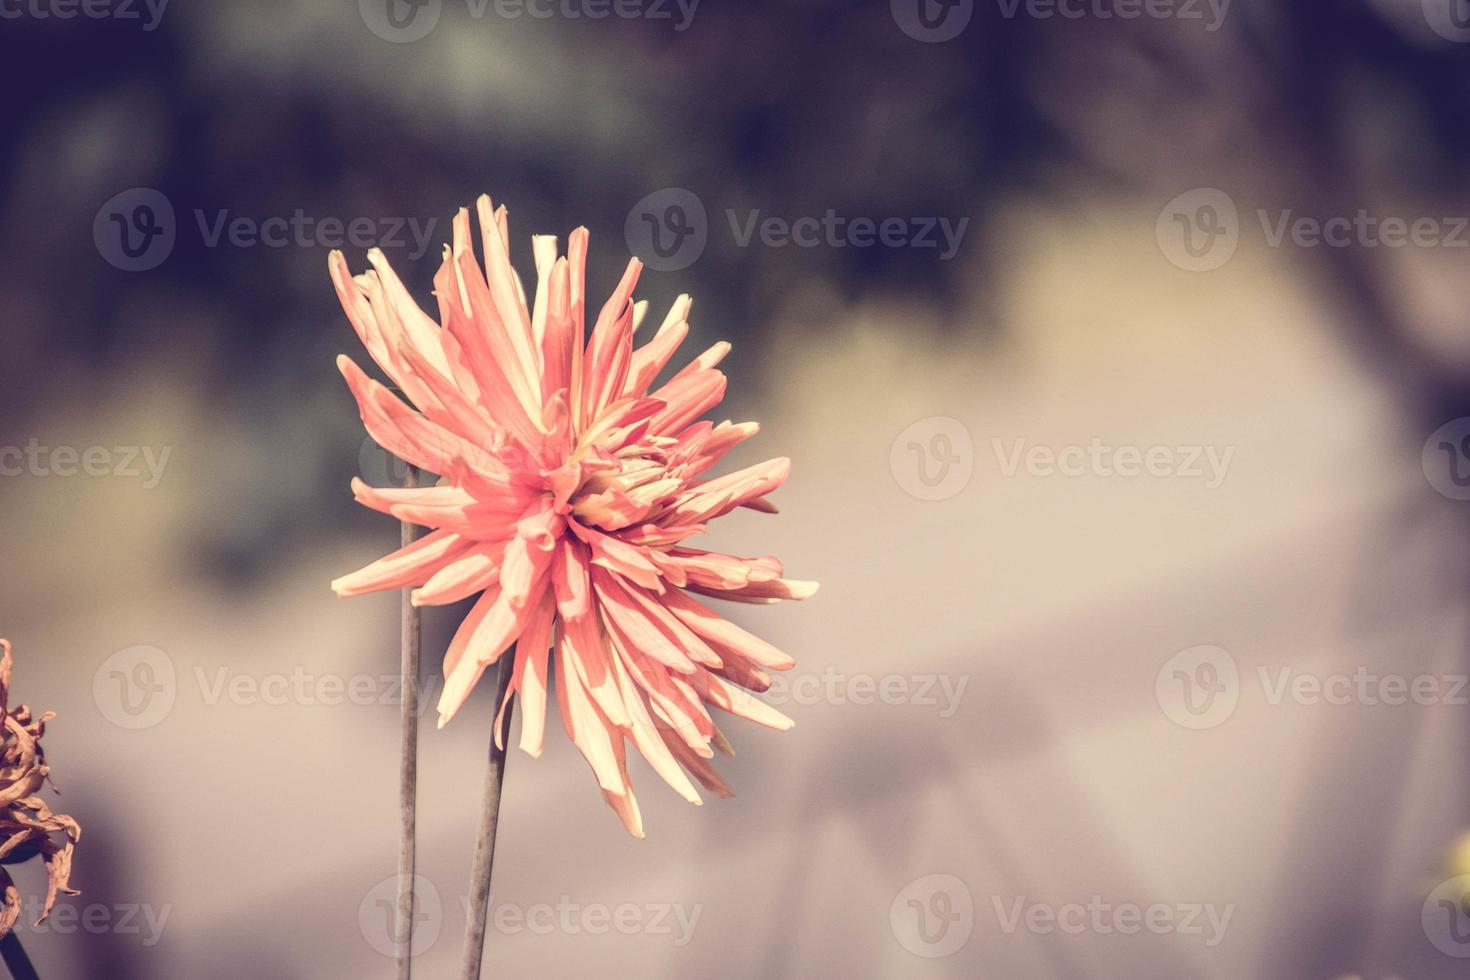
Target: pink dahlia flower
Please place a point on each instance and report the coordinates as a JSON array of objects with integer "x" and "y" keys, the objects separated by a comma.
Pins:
[{"x": 567, "y": 493}]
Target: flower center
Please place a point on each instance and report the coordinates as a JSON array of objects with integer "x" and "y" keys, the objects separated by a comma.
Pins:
[{"x": 622, "y": 491}]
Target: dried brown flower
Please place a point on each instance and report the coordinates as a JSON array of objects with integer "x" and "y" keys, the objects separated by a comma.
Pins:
[{"x": 27, "y": 825}]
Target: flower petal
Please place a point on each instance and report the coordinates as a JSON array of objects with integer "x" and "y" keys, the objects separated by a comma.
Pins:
[
  {"x": 722, "y": 694},
  {"x": 409, "y": 565},
  {"x": 474, "y": 571},
  {"x": 528, "y": 681},
  {"x": 610, "y": 350},
  {"x": 644, "y": 633},
  {"x": 721, "y": 631},
  {"x": 585, "y": 725}
]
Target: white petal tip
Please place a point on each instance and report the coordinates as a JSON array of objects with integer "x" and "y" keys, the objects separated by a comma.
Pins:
[{"x": 802, "y": 590}]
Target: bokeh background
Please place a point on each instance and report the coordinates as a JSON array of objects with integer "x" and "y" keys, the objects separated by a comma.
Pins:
[{"x": 1023, "y": 693}]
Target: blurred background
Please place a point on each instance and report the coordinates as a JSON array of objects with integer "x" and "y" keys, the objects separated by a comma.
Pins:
[{"x": 1121, "y": 349}]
